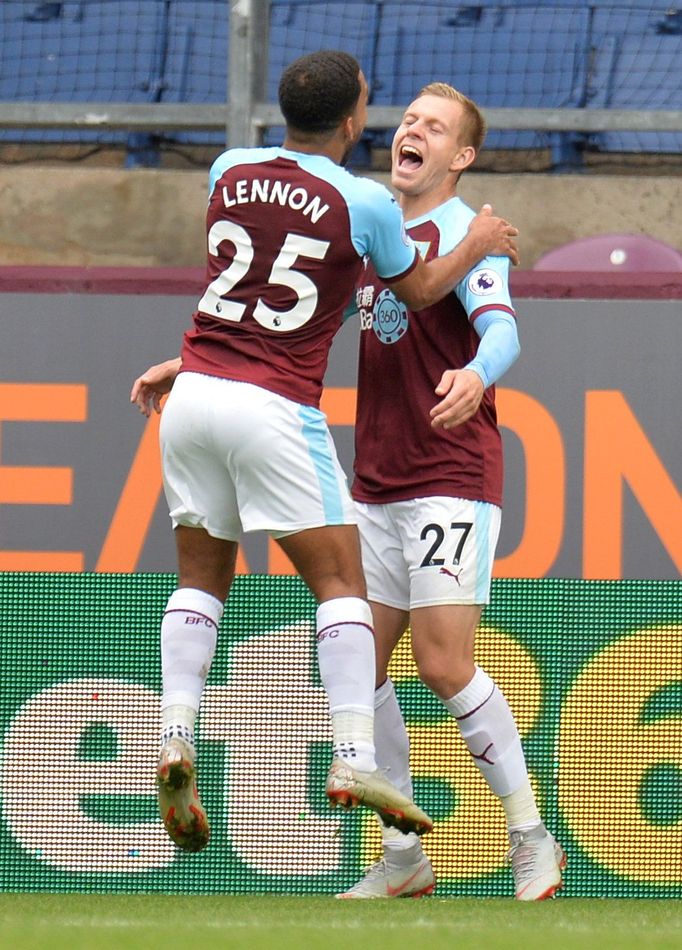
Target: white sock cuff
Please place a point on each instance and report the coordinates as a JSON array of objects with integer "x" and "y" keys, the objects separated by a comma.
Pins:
[
  {"x": 383, "y": 693},
  {"x": 353, "y": 709},
  {"x": 198, "y": 601},
  {"x": 180, "y": 698},
  {"x": 479, "y": 688},
  {"x": 355, "y": 722},
  {"x": 344, "y": 610},
  {"x": 520, "y": 807},
  {"x": 395, "y": 841}
]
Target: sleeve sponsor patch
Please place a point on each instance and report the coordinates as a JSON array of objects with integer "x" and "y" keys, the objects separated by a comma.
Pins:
[{"x": 485, "y": 282}]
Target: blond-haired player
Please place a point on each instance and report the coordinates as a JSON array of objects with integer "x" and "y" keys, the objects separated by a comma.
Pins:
[{"x": 428, "y": 487}]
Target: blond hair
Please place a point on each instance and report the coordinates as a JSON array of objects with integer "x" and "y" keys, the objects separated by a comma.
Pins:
[{"x": 473, "y": 127}]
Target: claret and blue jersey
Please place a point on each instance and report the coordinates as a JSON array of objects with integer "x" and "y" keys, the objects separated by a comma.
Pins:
[
  {"x": 287, "y": 234},
  {"x": 403, "y": 355}
]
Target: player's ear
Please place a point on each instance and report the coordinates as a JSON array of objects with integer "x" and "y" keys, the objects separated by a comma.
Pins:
[
  {"x": 464, "y": 157},
  {"x": 348, "y": 127}
]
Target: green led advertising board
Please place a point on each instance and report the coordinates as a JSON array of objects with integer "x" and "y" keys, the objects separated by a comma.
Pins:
[{"x": 592, "y": 670}]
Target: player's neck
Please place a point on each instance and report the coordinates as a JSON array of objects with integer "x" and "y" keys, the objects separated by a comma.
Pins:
[
  {"x": 333, "y": 148},
  {"x": 414, "y": 206}
]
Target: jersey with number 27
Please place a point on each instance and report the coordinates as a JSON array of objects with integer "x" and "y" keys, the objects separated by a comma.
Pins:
[{"x": 287, "y": 234}]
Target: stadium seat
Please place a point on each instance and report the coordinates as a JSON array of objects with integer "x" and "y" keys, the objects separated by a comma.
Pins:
[
  {"x": 501, "y": 55},
  {"x": 638, "y": 72},
  {"x": 612, "y": 252},
  {"x": 80, "y": 52},
  {"x": 298, "y": 27},
  {"x": 196, "y": 61},
  {"x": 543, "y": 54},
  {"x": 198, "y": 44}
]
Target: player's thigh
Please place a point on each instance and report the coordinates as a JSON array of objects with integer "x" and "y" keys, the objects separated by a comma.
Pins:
[
  {"x": 286, "y": 471},
  {"x": 443, "y": 639},
  {"x": 197, "y": 482},
  {"x": 383, "y": 561},
  {"x": 449, "y": 547}
]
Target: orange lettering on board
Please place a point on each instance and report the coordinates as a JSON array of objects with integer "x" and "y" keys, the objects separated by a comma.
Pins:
[
  {"x": 72, "y": 562},
  {"x": 40, "y": 485},
  {"x": 43, "y": 402},
  {"x": 36, "y": 485},
  {"x": 338, "y": 404},
  {"x": 545, "y": 485},
  {"x": 278, "y": 562},
  {"x": 130, "y": 524},
  {"x": 135, "y": 510},
  {"x": 618, "y": 451}
]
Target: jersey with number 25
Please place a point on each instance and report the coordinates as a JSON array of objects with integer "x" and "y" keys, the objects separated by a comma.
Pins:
[{"x": 287, "y": 234}]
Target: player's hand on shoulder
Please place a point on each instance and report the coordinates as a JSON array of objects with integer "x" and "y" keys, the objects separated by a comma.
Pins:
[
  {"x": 462, "y": 391},
  {"x": 158, "y": 380},
  {"x": 496, "y": 234}
]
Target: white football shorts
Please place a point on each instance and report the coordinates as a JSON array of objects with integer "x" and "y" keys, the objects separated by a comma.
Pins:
[
  {"x": 428, "y": 551},
  {"x": 238, "y": 458}
]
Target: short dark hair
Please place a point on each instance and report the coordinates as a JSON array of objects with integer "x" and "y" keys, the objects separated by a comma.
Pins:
[{"x": 318, "y": 91}]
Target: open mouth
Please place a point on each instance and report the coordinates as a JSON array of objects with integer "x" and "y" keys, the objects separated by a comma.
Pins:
[{"x": 409, "y": 158}]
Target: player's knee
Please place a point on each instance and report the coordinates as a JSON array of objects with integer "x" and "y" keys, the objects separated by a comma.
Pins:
[
  {"x": 328, "y": 580},
  {"x": 444, "y": 679},
  {"x": 431, "y": 672}
]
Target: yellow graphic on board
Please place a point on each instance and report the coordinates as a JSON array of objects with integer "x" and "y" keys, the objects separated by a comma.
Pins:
[{"x": 471, "y": 841}]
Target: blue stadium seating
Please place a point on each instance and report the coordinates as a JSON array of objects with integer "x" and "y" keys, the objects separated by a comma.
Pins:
[
  {"x": 298, "y": 27},
  {"x": 637, "y": 61},
  {"x": 303, "y": 26},
  {"x": 503, "y": 53},
  {"x": 526, "y": 55},
  {"x": 198, "y": 43},
  {"x": 196, "y": 60},
  {"x": 81, "y": 52}
]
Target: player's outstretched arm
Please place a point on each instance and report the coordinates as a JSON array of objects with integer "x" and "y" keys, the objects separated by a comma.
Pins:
[
  {"x": 488, "y": 235},
  {"x": 153, "y": 384}
]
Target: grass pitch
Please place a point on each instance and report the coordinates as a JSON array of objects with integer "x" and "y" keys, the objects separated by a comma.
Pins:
[{"x": 275, "y": 922}]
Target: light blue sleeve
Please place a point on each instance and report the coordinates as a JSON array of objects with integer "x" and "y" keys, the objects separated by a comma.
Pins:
[
  {"x": 484, "y": 294},
  {"x": 499, "y": 346},
  {"x": 378, "y": 230},
  {"x": 487, "y": 283}
]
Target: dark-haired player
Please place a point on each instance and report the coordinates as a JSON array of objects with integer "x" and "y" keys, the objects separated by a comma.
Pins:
[
  {"x": 244, "y": 444},
  {"x": 428, "y": 488}
]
